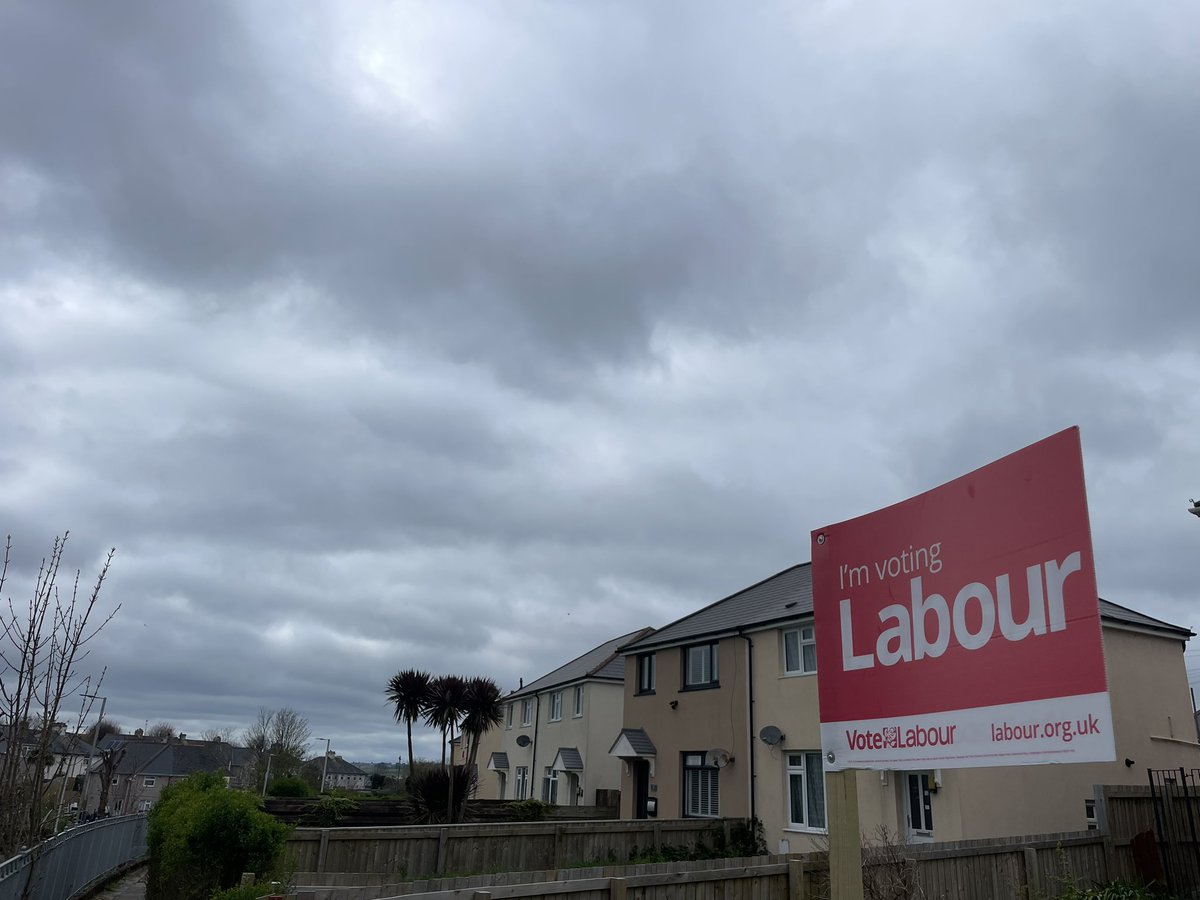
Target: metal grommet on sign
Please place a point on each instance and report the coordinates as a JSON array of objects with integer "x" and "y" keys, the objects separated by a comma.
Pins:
[
  {"x": 821, "y": 538},
  {"x": 829, "y": 756}
]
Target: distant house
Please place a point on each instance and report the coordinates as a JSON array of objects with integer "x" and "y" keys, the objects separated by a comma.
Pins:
[
  {"x": 146, "y": 766},
  {"x": 554, "y": 742},
  {"x": 338, "y": 773},
  {"x": 65, "y": 760}
]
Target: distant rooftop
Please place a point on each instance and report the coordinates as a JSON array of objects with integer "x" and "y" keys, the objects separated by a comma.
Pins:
[{"x": 601, "y": 662}]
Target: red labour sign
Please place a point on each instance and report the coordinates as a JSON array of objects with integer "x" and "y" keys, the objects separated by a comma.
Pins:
[{"x": 961, "y": 627}]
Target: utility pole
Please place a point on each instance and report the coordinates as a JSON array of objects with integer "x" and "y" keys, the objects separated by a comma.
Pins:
[
  {"x": 87, "y": 772},
  {"x": 324, "y": 764}
]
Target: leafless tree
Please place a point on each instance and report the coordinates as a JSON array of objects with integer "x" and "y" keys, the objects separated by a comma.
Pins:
[
  {"x": 219, "y": 735},
  {"x": 42, "y": 643},
  {"x": 161, "y": 730},
  {"x": 282, "y": 735}
]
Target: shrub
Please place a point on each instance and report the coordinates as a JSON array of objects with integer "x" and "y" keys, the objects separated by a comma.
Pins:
[
  {"x": 202, "y": 837},
  {"x": 328, "y": 810},
  {"x": 530, "y": 810},
  {"x": 427, "y": 792},
  {"x": 289, "y": 787}
]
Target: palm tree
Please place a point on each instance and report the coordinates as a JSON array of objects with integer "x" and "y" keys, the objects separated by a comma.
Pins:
[
  {"x": 483, "y": 711},
  {"x": 408, "y": 692},
  {"x": 444, "y": 709}
]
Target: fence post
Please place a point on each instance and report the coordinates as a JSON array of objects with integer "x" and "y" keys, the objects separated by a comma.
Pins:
[
  {"x": 1033, "y": 875},
  {"x": 556, "y": 860},
  {"x": 443, "y": 836},
  {"x": 617, "y": 889},
  {"x": 796, "y": 879},
  {"x": 323, "y": 850}
]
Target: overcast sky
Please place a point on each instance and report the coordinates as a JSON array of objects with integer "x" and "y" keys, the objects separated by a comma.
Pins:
[{"x": 468, "y": 336}]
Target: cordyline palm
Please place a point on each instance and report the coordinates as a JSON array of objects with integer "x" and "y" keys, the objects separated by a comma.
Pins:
[
  {"x": 482, "y": 712},
  {"x": 443, "y": 710},
  {"x": 408, "y": 692}
]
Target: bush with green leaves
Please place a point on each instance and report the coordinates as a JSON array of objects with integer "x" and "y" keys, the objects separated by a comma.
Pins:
[
  {"x": 202, "y": 836},
  {"x": 289, "y": 787}
]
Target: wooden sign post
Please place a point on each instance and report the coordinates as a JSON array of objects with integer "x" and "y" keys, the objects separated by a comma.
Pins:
[{"x": 845, "y": 842}]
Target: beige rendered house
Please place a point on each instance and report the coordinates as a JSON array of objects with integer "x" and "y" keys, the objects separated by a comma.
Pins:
[
  {"x": 721, "y": 719},
  {"x": 554, "y": 741}
]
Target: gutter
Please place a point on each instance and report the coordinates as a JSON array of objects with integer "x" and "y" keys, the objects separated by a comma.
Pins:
[{"x": 750, "y": 716}]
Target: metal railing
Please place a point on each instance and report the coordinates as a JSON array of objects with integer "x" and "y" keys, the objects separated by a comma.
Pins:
[{"x": 63, "y": 866}]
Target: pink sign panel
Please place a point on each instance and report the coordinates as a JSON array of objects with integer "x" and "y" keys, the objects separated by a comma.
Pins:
[{"x": 961, "y": 627}]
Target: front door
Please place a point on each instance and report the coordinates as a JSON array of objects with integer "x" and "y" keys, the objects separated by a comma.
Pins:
[
  {"x": 919, "y": 805},
  {"x": 641, "y": 787}
]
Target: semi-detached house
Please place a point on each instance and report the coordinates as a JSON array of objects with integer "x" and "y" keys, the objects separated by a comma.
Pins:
[
  {"x": 721, "y": 719},
  {"x": 554, "y": 742}
]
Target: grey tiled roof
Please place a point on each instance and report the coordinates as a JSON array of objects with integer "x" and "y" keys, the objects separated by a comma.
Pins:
[
  {"x": 638, "y": 740},
  {"x": 572, "y": 761},
  {"x": 788, "y": 595},
  {"x": 599, "y": 662},
  {"x": 499, "y": 760},
  {"x": 1127, "y": 616},
  {"x": 335, "y": 766},
  {"x": 780, "y": 597},
  {"x": 145, "y": 758}
]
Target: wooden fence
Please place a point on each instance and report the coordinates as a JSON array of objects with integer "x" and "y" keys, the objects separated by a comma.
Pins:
[
  {"x": 1040, "y": 867},
  {"x": 374, "y": 812},
  {"x": 365, "y": 864},
  {"x": 420, "y": 852}
]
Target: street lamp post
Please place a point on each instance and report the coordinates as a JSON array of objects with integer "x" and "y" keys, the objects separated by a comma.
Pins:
[
  {"x": 267, "y": 776},
  {"x": 87, "y": 772},
  {"x": 325, "y": 763}
]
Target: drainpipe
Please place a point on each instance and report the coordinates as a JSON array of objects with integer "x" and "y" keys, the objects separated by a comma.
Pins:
[
  {"x": 750, "y": 716},
  {"x": 537, "y": 720}
]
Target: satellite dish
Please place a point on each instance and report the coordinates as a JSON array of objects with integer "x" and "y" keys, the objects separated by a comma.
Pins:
[
  {"x": 523, "y": 740},
  {"x": 770, "y": 735},
  {"x": 717, "y": 757}
]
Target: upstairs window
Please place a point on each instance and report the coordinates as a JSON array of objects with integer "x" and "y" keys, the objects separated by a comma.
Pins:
[
  {"x": 556, "y": 706},
  {"x": 645, "y": 673},
  {"x": 701, "y": 666},
  {"x": 508, "y": 715},
  {"x": 799, "y": 651},
  {"x": 526, "y": 712},
  {"x": 578, "y": 710}
]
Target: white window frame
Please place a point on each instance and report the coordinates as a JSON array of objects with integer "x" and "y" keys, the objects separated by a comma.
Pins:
[
  {"x": 577, "y": 709},
  {"x": 646, "y": 673},
  {"x": 701, "y": 788},
  {"x": 702, "y": 666},
  {"x": 508, "y": 716},
  {"x": 148, "y": 781},
  {"x": 521, "y": 783},
  {"x": 555, "y": 706},
  {"x": 802, "y": 638},
  {"x": 1089, "y": 813},
  {"x": 145, "y": 805},
  {"x": 804, "y": 769},
  {"x": 526, "y": 712},
  {"x": 550, "y": 786}
]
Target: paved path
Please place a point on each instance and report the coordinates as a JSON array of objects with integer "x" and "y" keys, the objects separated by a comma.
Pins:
[{"x": 132, "y": 886}]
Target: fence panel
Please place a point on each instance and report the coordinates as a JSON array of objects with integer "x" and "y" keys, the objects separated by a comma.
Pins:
[
  {"x": 411, "y": 852},
  {"x": 65, "y": 865}
]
